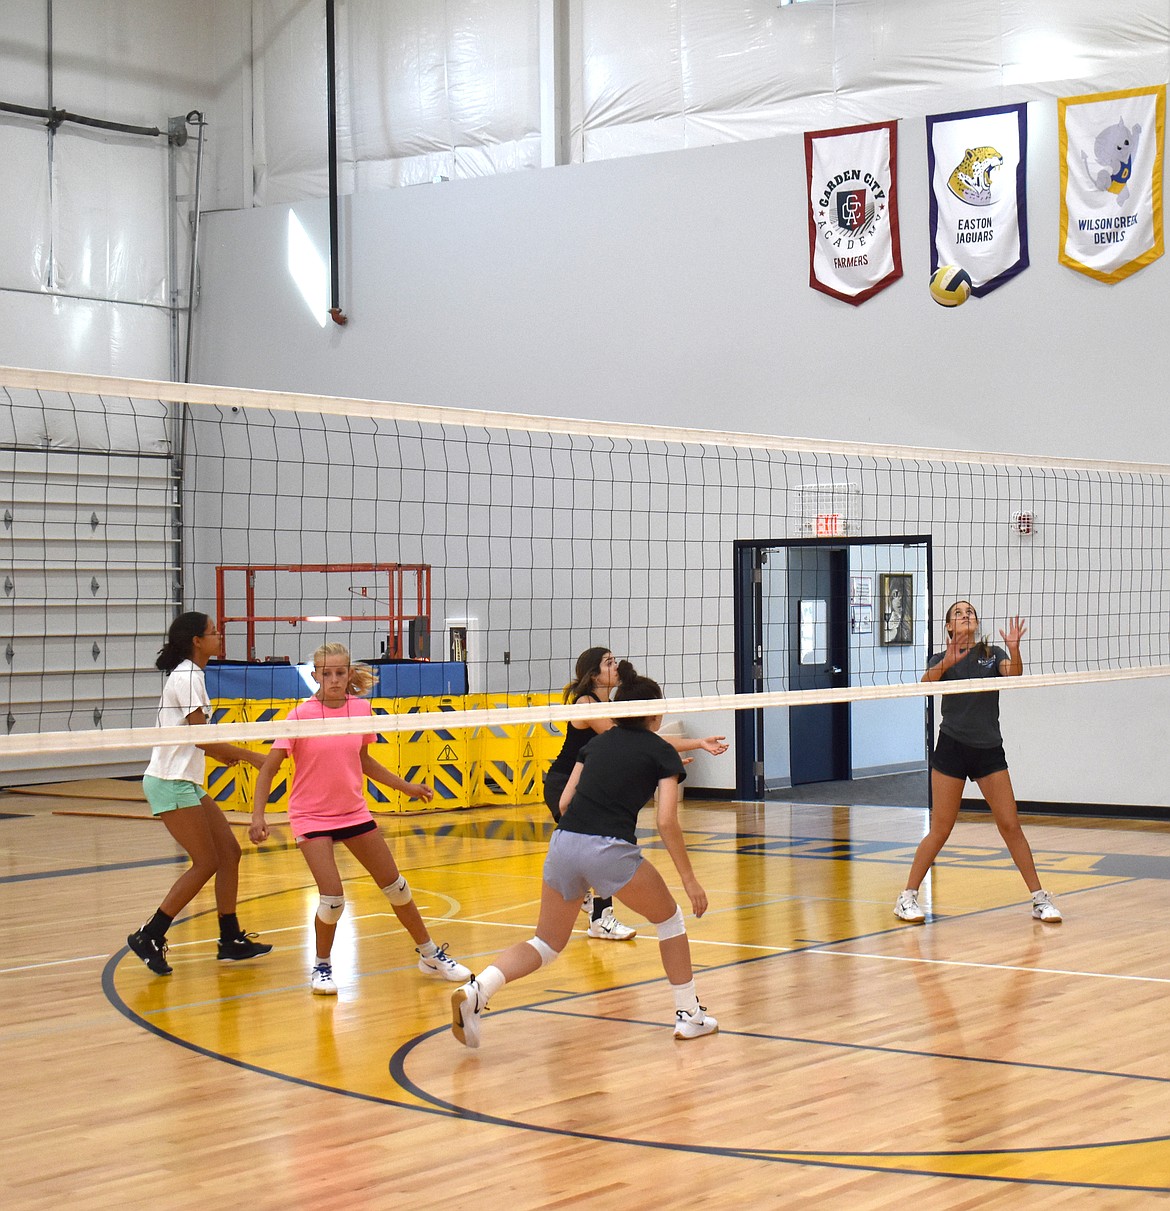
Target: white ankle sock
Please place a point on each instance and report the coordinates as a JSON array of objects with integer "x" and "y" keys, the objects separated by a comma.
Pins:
[
  {"x": 427, "y": 949},
  {"x": 685, "y": 997},
  {"x": 491, "y": 980}
]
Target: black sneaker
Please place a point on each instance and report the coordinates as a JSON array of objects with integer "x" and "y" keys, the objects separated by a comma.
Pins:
[
  {"x": 243, "y": 947},
  {"x": 151, "y": 951}
]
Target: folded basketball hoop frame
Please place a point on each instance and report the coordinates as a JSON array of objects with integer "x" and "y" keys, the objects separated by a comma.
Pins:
[{"x": 399, "y": 577}]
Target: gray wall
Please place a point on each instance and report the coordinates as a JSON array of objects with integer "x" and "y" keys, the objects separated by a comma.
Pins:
[{"x": 672, "y": 289}]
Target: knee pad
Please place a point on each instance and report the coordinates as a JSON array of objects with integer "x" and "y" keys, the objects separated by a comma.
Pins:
[
  {"x": 398, "y": 893},
  {"x": 672, "y": 927},
  {"x": 330, "y": 908},
  {"x": 546, "y": 952}
]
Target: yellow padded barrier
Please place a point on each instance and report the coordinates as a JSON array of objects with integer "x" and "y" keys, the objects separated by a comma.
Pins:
[{"x": 466, "y": 767}]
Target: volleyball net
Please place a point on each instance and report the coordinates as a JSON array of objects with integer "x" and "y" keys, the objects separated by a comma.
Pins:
[{"x": 501, "y": 545}]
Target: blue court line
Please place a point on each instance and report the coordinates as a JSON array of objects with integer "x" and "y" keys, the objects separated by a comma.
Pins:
[
  {"x": 1124, "y": 866},
  {"x": 786, "y": 1156},
  {"x": 550, "y": 1007},
  {"x": 108, "y": 868},
  {"x": 438, "y": 1107},
  {"x": 824, "y": 849}
]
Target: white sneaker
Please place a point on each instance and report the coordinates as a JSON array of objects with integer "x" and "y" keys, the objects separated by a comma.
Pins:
[
  {"x": 1043, "y": 909},
  {"x": 693, "y": 1024},
  {"x": 467, "y": 1006},
  {"x": 322, "y": 981},
  {"x": 906, "y": 908},
  {"x": 441, "y": 964},
  {"x": 608, "y": 926}
]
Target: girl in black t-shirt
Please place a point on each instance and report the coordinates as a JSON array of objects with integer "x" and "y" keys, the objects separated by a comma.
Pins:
[
  {"x": 594, "y": 679},
  {"x": 595, "y": 846},
  {"x": 970, "y": 746}
]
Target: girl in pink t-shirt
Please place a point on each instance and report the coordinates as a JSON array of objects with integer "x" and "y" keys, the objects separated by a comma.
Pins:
[{"x": 326, "y": 805}]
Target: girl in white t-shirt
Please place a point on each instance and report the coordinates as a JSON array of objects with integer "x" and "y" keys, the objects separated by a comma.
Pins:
[
  {"x": 173, "y": 783},
  {"x": 326, "y": 804}
]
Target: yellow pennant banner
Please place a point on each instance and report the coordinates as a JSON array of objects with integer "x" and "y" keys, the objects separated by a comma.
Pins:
[{"x": 1111, "y": 181}]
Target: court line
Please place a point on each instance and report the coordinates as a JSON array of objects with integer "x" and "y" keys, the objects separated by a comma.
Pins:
[
  {"x": 816, "y": 1159},
  {"x": 1046, "y": 971},
  {"x": 558, "y": 1009},
  {"x": 5, "y": 971}
]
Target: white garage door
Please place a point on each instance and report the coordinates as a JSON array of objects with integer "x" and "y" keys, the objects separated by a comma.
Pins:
[{"x": 88, "y": 580}]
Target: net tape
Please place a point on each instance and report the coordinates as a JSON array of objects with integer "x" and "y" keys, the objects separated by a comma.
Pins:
[{"x": 114, "y": 739}]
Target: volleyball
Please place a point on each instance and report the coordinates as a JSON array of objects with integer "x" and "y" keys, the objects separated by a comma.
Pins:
[{"x": 950, "y": 285}]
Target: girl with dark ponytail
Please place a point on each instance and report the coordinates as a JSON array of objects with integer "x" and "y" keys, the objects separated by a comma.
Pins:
[
  {"x": 595, "y": 845},
  {"x": 595, "y": 677},
  {"x": 970, "y": 745},
  {"x": 173, "y": 784}
]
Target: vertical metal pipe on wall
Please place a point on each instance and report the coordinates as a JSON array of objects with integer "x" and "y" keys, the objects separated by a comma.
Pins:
[
  {"x": 336, "y": 314},
  {"x": 194, "y": 118}
]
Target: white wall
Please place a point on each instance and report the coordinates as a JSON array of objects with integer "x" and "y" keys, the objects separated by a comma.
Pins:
[{"x": 674, "y": 288}]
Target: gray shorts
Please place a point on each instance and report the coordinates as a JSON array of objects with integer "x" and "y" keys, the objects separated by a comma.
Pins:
[{"x": 577, "y": 862}]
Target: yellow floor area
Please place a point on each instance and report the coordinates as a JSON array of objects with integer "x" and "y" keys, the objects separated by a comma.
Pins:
[{"x": 979, "y": 1057}]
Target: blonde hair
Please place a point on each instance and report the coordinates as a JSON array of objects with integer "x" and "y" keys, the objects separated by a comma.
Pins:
[{"x": 362, "y": 678}]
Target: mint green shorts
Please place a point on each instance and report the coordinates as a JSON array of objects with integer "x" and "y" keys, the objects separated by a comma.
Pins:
[{"x": 169, "y": 794}]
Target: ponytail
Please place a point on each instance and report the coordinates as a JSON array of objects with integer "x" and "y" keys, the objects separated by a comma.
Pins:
[
  {"x": 362, "y": 678},
  {"x": 181, "y": 640}
]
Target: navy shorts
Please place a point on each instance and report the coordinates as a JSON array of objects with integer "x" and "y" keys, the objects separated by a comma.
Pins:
[
  {"x": 577, "y": 862},
  {"x": 958, "y": 760}
]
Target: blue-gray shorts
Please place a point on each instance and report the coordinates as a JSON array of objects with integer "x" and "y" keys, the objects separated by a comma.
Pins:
[{"x": 577, "y": 862}]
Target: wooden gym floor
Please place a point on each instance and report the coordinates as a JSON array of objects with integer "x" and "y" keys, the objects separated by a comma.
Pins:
[{"x": 983, "y": 1060}]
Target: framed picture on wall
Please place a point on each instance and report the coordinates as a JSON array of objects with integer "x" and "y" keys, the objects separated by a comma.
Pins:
[{"x": 897, "y": 609}]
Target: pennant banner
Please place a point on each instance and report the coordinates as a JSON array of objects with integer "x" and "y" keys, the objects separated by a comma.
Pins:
[
  {"x": 854, "y": 248},
  {"x": 1111, "y": 181},
  {"x": 978, "y": 201}
]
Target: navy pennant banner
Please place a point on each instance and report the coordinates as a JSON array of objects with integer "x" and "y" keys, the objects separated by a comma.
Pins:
[{"x": 977, "y": 161}]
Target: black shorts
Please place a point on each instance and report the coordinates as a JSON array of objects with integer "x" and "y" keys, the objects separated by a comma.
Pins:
[
  {"x": 343, "y": 834},
  {"x": 958, "y": 760}
]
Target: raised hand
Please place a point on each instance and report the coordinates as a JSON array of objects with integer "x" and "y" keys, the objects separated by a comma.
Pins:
[
  {"x": 957, "y": 647},
  {"x": 1016, "y": 631}
]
